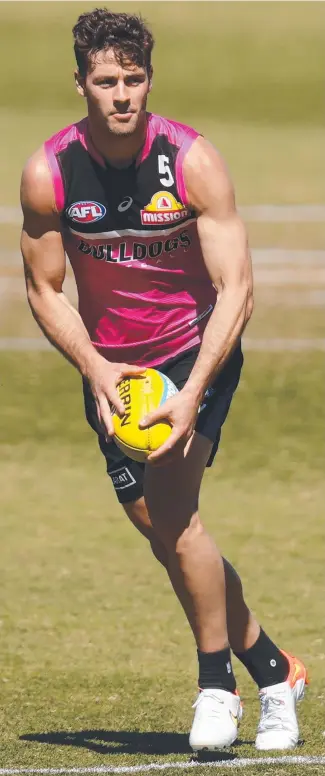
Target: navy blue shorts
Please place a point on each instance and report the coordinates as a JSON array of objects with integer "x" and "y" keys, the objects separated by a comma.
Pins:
[{"x": 127, "y": 475}]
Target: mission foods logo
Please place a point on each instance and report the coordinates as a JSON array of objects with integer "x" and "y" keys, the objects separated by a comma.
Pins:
[
  {"x": 85, "y": 212},
  {"x": 163, "y": 209}
]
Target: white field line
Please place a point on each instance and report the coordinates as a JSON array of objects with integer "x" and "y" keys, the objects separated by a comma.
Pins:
[
  {"x": 269, "y": 296},
  {"x": 279, "y": 345},
  {"x": 276, "y": 256},
  {"x": 283, "y": 214},
  {"x": 10, "y": 215},
  {"x": 269, "y": 276},
  {"x": 260, "y": 345},
  {"x": 241, "y": 762},
  {"x": 261, "y": 256},
  {"x": 264, "y": 213}
]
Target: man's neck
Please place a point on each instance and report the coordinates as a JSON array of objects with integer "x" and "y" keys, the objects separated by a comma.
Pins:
[{"x": 118, "y": 150}]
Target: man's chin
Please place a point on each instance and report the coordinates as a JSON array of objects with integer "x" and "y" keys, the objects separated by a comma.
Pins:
[{"x": 123, "y": 127}]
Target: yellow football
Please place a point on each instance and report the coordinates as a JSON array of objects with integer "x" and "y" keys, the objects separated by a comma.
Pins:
[{"x": 140, "y": 395}]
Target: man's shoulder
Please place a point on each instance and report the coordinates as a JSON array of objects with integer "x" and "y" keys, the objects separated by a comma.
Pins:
[
  {"x": 176, "y": 131},
  {"x": 36, "y": 190},
  {"x": 63, "y": 137},
  {"x": 41, "y": 172}
]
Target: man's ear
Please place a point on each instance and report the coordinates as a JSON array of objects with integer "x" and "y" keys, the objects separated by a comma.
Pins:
[
  {"x": 150, "y": 75},
  {"x": 80, "y": 83}
]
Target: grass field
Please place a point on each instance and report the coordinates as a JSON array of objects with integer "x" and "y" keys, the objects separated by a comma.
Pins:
[
  {"x": 249, "y": 75},
  {"x": 97, "y": 663}
]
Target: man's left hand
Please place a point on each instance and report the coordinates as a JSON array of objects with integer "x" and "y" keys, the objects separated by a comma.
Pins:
[{"x": 181, "y": 412}]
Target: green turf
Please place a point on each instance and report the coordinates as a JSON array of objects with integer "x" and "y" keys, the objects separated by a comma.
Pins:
[
  {"x": 98, "y": 665},
  {"x": 245, "y": 62},
  {"x": 248, "y": 75}
]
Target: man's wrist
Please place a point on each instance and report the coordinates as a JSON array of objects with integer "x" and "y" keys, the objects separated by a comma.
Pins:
[
  {"x": 194, "y": 390},
  {"x": 88, "y": 362}
]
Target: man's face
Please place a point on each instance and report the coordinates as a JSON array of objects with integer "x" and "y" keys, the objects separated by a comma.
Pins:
[{"x": 116, "y": 94}]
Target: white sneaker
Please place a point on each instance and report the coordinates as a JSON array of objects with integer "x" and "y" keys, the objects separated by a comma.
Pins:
[
  {"x": 216, "y": 719},
  {"x": 278, "y": 726}
]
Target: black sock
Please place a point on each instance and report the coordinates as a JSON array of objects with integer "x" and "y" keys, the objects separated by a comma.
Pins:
[
  {"x": 264, "y": 661},
  {"x": 215, "y": 670}
]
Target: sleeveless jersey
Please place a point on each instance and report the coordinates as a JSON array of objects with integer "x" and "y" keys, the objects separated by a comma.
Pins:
[{"x": 131, "y": 237}]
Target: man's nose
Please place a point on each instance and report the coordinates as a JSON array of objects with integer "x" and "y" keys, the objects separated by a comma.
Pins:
[{"x": 121, "y": 93}]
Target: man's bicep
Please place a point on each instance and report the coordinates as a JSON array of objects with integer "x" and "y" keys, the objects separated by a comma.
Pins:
[
  {"x": 41, "y": 239},
  {"x": 225, "y": 249},
  {"x": 221, "y": 232}
]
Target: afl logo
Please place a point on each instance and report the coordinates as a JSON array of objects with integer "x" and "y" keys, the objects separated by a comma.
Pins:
[{"x": 85, "y": 212}]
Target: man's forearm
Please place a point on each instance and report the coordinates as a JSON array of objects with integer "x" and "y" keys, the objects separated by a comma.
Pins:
[
  {"x": 63, "y": 327},
  {"x": 221, "y": 335}
]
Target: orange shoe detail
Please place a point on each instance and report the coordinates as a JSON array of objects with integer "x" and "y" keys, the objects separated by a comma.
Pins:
[
  {"x": 297, "y": 670},
  {"x": 238, "y": 693}
]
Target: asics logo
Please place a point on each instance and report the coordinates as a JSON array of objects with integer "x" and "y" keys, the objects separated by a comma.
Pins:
[{"x": 125, "y": 204}]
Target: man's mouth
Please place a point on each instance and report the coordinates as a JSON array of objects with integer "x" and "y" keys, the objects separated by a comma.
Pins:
[{"x": 123, "y": 115}]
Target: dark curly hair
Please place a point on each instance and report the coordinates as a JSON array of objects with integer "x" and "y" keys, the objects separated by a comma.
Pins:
[{"x": 100, "y": 29}]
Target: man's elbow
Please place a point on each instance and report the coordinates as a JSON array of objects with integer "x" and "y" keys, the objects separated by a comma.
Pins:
[
  {"x": 249, "y": 306},
  {"x": 241, "y": 296},
  {"x": 33, "y": 299},
  {"x": 39, "y": 295},
  {"x": 32, "y": 289}
]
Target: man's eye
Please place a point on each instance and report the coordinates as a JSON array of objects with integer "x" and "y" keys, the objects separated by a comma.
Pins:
[{"x": 136, "y": 80}]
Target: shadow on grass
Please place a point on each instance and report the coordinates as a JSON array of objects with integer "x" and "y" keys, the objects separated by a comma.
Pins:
[{"x": 126, "y": 742}]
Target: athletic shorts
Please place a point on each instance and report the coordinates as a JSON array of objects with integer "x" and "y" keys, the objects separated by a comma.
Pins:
[{"x": 127, "y": 475}]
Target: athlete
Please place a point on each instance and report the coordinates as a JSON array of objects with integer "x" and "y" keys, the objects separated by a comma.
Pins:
[{"x": 144, "y": 208}]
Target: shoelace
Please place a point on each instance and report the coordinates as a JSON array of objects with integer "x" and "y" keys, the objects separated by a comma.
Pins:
[
  {"x": 270, "y": 712},
  {"x": 211, "y": 696}
]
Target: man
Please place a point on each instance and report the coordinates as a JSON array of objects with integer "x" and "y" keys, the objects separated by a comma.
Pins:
[{"x": 145, "y": 210}]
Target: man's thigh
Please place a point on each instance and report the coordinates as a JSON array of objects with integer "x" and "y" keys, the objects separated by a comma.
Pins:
[
  {"x": 172, "y": 488},
  {"x": 172, "y": 492}
]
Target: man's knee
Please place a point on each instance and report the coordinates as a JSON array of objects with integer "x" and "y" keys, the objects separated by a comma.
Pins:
[
  {"x": 189, "y": 536},
  {"x": 180, "y": 536}
]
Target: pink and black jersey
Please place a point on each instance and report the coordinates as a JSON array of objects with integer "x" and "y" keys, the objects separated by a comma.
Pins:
[{"x": 131, "y": 237}]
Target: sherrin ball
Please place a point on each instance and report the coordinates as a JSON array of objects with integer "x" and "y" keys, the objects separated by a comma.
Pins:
[{"x": 141, "y": 395}]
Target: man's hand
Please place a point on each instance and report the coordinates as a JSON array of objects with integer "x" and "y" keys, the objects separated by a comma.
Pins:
[
  {"x": 103, "y": 377},
  {"x": 181, "y": 412}
]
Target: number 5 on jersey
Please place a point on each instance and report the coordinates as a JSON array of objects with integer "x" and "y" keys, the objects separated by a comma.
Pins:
[{"x": 164, "y": 169}]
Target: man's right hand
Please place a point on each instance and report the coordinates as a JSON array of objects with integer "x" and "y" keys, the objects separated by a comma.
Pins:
[{"x": 103, "y": 377}]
